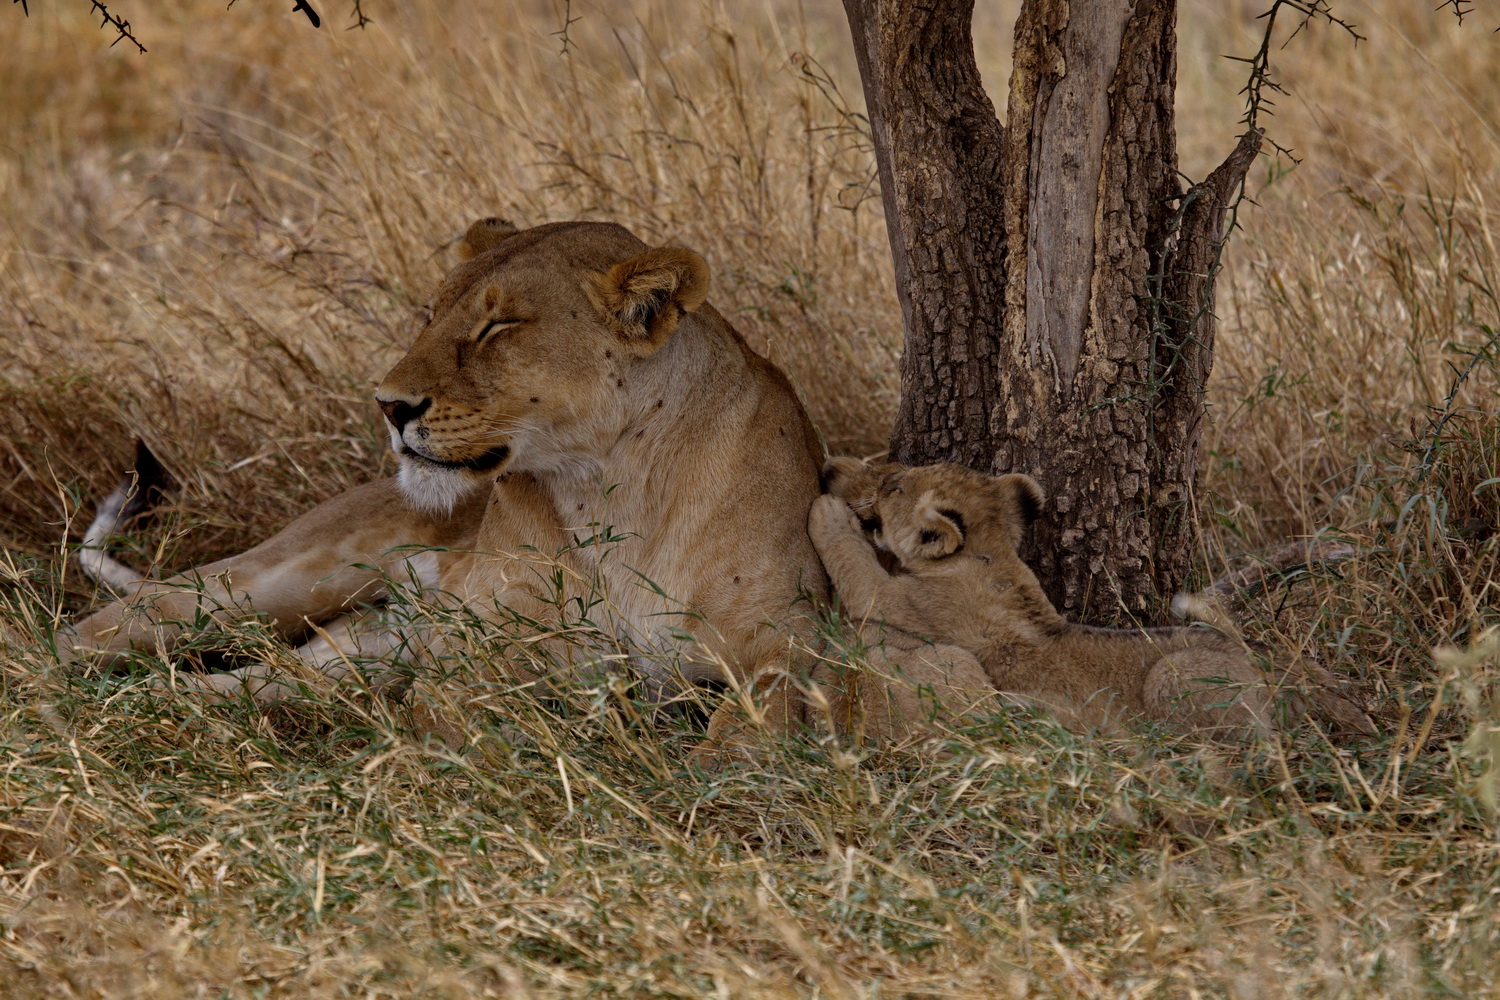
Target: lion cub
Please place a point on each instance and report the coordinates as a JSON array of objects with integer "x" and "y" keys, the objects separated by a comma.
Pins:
[
  {"x": 953, "y": 534},
  {"x": 905, "y": 685}
]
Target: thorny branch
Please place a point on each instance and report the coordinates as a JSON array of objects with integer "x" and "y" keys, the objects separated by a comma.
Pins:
[
  {"x": 358, "y": 13},
  {"x": 124, "y": 33},
  {"x": 109, "y": 20},
  {"x": 568, "y": 20},
  {"x": 1225, "y": 191},
  {"x": 1460, "y": 8},
  {"x": 1261, "y": 84}
]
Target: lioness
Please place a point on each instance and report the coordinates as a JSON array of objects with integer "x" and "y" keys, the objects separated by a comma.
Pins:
[
  {"x": 953, "y": 533},
  {"x": 571, "y": 379}
]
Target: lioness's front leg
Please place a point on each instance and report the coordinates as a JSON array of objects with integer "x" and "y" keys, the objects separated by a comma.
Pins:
[
  {"x": 867, "y": 590},
  {"x": 329, "y": 656},
  {"x": 330, "y": 559}
]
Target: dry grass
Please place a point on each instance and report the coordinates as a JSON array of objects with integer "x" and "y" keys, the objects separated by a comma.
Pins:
[{"x": 223, "y": 244}]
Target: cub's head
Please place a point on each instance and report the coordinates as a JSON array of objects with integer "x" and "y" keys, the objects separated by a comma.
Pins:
[
  {"x": 857, "y": 483},
  {"x": 930, "y": 512},
  {"x": 531, "y": 353}
]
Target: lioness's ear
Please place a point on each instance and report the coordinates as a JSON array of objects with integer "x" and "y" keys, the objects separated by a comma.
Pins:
[
  {"x": 643, "y": 298},
  {"x": 940, "y": 529},
  {"x": 485, "y": 234},
  {"x": 1024, "y": 497}
]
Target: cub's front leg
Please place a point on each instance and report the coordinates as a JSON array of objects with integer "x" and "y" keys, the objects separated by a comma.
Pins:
[{"x": 867, "y": 590}]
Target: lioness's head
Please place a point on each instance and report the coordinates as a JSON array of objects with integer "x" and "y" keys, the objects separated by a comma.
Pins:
[
  {"x": 928, "y": 512},
  {"x": 532, "y": 345}
]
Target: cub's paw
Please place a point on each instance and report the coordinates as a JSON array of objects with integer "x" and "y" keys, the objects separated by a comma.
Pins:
[
  {"x": 1343, "y": 711},
  {"x": 831, "y": 517}
]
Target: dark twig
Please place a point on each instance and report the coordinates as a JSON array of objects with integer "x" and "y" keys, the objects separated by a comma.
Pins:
[
  {"x": 120, "y": 25},
  {"x": 306, "y": 8},
  {"x": 1460, "y": 8},
  {"x": 568, "y": 21},
  {"x": 357, "y": 12}
]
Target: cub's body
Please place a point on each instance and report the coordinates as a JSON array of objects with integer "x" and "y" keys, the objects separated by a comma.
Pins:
[
  {"x": 960, "y": 583},
  {"x": 904, "y": 686}
]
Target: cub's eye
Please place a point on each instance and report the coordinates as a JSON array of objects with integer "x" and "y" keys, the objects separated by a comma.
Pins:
[{"x": 492, "y": 327}]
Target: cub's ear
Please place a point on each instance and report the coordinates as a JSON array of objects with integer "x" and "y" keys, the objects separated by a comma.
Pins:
[
  {"x": 643, "y": 298},
  {"x": 939, "y": 531},
  {"x": 1023, "y": 498},
  {"x": 485, "y": 234},
  {"x": 839, "y": 474}
]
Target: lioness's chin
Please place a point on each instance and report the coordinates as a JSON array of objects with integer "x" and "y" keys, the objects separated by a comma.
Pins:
[{"x": 433, "y": 489}]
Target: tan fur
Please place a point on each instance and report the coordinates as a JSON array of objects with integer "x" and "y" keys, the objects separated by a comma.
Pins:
[
  {"x": 570, "y": 377},
  {"x": 905, "y": 685},
  {"x": 331, "y": 560},
  {"x": 953, "y": 535},
  {"x": 901, "y": 686},
  {"x": 484, "y": 234}
]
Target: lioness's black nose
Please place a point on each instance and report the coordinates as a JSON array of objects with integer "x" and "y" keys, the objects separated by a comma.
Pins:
[{"x": 400, "y": 412}]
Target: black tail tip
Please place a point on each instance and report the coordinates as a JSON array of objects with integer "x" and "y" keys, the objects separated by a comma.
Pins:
[{"x": 147, "y": 484}]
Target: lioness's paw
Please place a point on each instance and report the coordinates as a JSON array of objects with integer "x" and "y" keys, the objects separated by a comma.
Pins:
[
  {"x": 73, "y": 653},
  {"x": 255, "y": 682},
  {"x": 210, "y": 689}
]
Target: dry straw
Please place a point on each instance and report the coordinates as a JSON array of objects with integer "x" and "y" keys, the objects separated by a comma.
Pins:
[{"x": 222, "y": 244}]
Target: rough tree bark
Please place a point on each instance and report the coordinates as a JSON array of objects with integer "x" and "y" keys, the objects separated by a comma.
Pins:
[{"x": 1055, "y": 279}]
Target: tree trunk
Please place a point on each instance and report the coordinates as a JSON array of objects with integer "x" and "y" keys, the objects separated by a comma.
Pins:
[{"x": 1055, "y": 280}]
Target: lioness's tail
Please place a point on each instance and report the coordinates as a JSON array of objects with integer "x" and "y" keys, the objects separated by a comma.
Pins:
[
  {"x": 1280, "y": 564},
  {"x": 140, "y": 491}
]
